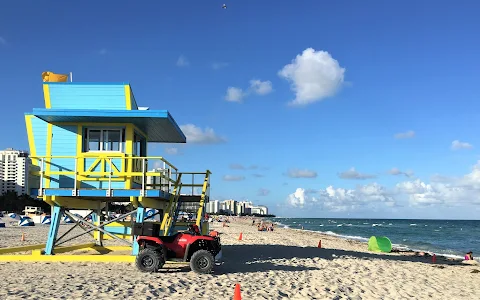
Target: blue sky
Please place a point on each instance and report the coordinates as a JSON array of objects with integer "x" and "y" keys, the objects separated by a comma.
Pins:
[{"x": 381, "y": 86}]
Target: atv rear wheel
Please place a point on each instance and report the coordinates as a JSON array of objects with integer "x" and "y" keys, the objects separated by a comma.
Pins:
[
  {"x": 202, "y": 262},
  {"x": 150, "y": 260}
]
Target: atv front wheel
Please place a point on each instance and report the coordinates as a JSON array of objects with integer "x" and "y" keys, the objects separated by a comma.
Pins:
[
  {"x": 150, "y": 260},
  {"x": 202, "y": 262}
]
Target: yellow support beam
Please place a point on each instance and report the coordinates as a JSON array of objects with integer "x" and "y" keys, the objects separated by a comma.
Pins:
[
  {"x": 72, "y": 248},
  {"x": 69, "y": 258},
  {"x": 152, "y": 202},
  {"x": 112, "y": 248},
  {"x": 21, "y": 248},
  {"x": 128, "y": 97},
  {"x": 46, "y": 96},
  {"x": 72, "y": 202},
  {"x": 203, "y": 197},
  {"x": 48, "y": 161},
  {"x": 129, "y": 133}
]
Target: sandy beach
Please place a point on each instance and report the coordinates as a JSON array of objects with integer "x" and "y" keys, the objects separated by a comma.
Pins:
[{"x": 284, "y": 264}]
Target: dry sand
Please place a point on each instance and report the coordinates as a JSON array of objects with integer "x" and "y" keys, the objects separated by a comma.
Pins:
[{"x": 284, "y": 264}]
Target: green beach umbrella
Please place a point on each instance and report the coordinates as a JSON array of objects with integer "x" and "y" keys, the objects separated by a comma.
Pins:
[{"x": 379, "y": 244}]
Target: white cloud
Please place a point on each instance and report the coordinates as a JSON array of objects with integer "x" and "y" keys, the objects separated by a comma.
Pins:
[
  {"x": 3, "y": 41},
  {"x": 339, "y": 199},
  {"x": 444, "y": 193},
  {"x": 314, "y": 76},
  {"x": 405, "y": 135},
  {"x": 234, "y": 94},
  {"x": 263, "y": 192},
  {"x": 258, "y": 175},
  {"x": 219, "y": 65},
  {"x": 182, "y": 61},
  {"x": 258, "y": 87},
  {"x": 261, "y": 87},
  {"x": 172, "y": 150},
  {"x": 457, "y": 145},
  {"x": 297, "y": 173},
  {"x": 354, "y": 174},
  {"x": 444, "y": 190},
  {"x": 233, "y": 178},
  {"x": 197, "y": 135},
  {"x": 396, "y": 171}
]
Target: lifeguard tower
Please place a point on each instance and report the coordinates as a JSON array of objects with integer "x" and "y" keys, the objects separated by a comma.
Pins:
[{"x": 89, "y": 149}]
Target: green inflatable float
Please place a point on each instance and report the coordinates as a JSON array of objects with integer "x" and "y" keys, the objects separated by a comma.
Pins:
[{"x": 379, "y": 244}]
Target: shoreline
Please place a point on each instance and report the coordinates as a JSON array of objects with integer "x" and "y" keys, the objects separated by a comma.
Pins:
[{"x": 404, "y": 248}]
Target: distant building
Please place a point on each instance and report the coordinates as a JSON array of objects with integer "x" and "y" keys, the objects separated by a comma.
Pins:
[
  {"x": 230, "y": 206},
  {"x": 260, "y": 210},
  {"x": 233, "y": 207},
  {"x": 213, "y": 207},
  {"x": 14, "y": 168}
]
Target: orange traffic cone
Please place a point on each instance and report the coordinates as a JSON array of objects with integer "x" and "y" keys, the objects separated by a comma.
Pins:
[
  {"x": 23, "y": 237},
  {"x": 237, "y": 295},
  {"x": 320, "y": 244},
  {"x": 240, "y": 237}
]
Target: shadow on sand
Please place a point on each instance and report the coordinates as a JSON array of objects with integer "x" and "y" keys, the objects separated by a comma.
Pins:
[{"x": 254, "y": 258}]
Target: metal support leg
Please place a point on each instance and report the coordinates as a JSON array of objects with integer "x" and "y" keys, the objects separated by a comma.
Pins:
[
  {"x": 139, "y": 219},
  {"x": 75, "y": 226},
  {"x": 98, "y": 223},
  {"x": 53, "y": 231},
  {"x": 93, "y": 227}
]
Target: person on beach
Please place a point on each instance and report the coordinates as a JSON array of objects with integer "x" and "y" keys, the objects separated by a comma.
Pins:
[
  {"x": 270, "y": 228},
  {"x": 469, "y": 256}
]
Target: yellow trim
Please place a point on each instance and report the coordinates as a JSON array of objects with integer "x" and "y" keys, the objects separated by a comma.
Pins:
[
  {"x": 93, "y": 165},
  {"x": 128, "y": 97},
  {"x": 46, "y": 95},
  {"x": 202, "y": 198},
  {"x": 80, "y": 161},
  {"x": 72, "y": 202},
  {"x": 31, "y": 138},
  {"x": 21, "y": 248},
  {"x": 119, "y": 174},
  {"x": 129, "y": 131},
  {"x": 48, "y": 153},
  {"x": 152, "y": 202},
  {"x": 112, "y": 248},
  {"x": 72, "y": 248},
  {"x": 68, "y": 258}
]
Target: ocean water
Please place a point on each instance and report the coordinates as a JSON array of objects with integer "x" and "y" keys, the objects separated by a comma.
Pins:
[{"x": 447, "y": 237}]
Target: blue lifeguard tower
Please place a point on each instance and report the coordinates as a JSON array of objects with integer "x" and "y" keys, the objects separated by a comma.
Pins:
[{"x": 89, "y": 148}]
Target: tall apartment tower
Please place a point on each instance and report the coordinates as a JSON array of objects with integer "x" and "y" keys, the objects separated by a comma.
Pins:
[{"x": 14, "y": 168}]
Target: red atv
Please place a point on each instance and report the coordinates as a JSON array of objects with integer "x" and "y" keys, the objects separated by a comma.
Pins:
[{"x": 202, "y": 252}]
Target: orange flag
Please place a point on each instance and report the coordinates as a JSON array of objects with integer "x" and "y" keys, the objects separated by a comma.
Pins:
[{"x": 52, "y": 77}]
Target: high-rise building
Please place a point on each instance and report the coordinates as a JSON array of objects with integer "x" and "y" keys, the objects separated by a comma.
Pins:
[
  {"x": 14, "y": 168},
  {"x": 231, "y": 206},
  {"x": 213, "y": 207}
]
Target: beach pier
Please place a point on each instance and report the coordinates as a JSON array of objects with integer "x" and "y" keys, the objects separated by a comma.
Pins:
[{"x": 88, "y": 148}]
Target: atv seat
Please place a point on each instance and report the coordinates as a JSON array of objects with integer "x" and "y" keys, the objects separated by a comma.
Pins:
[{"x": 168, "y": 239}]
